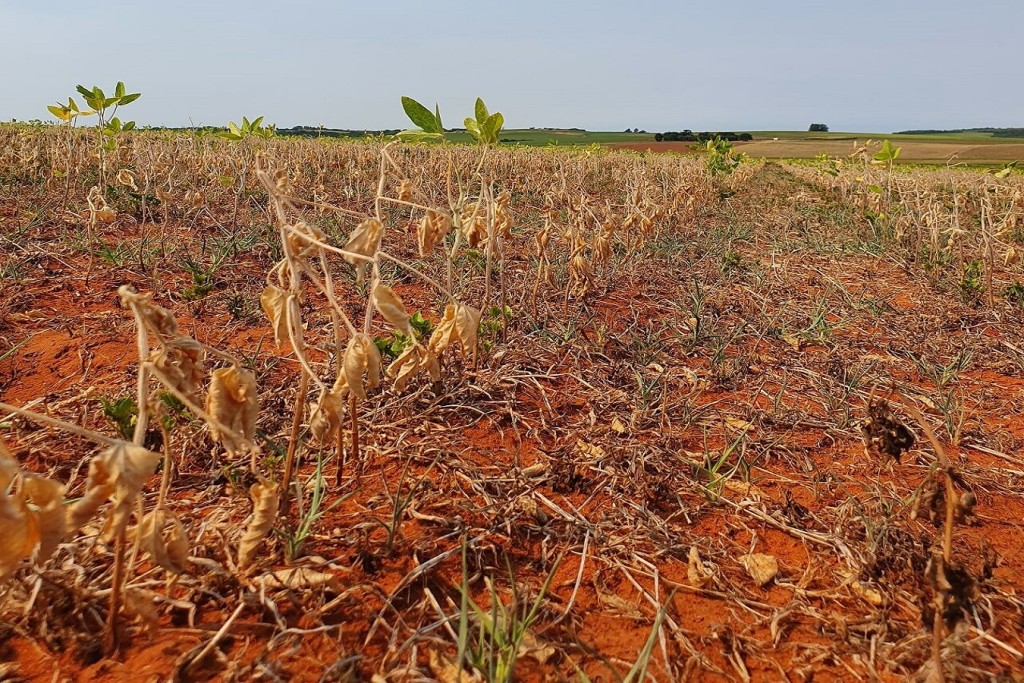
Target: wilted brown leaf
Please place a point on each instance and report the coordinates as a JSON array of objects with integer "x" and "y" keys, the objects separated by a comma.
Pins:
[
  {"x": 19, "y": 527},
  {"x": 361, "y": 356},
  {"x": 697, "y": 573},
  {"x": 391, "y": 307},
  {"x": 299, "y": 578},
  {"x": 365, "y": 241},
  {"x": 265, "y": 501},
  {"x": 48, "y": 496},
  {"x": 180, "y": 360},
  {"x": 164, "y": 539},
  {"x": 274, "y": 300},
  {"x": 325, "y": 418},
  {"x": 157, "y": 318},
  {"x": 233, "y": 401},
  {"x": 762, "y": 568},
  {"x": 432, "y": 229},
  {"x": 414, "y": 360}
]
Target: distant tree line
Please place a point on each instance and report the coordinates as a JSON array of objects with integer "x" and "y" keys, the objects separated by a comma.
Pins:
[
  {"x": 320, "y": 132},
  {"x": 817, "y": 128},
  {"x": 996, "y": 132},
  {"x": 690, "y": 136}
]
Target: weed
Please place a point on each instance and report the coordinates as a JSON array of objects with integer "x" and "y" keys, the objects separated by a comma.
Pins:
[
  {"x": 970, "y": 284},
  {"x": 123, "y": 414},
  {"x": 499, "y": 633}
]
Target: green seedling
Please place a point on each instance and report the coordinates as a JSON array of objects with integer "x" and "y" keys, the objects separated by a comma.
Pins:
[{"x": 248, "y": 129}]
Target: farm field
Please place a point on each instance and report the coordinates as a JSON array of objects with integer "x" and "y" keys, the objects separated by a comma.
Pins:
[
  {"x": 313, "y": 410},
  {"x": 930, "y": 150}
]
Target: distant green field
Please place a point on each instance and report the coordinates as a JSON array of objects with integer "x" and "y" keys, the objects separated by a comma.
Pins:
[{"x": 535, "y": 137}]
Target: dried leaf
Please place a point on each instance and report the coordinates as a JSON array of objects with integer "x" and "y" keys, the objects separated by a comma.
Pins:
[
  {"x": 391, "y": 307},
  {"x": 233, "y": 401},
  {"x": 180, "y": 360},
  {"x": 866, "y": 593},
  {"x": 460, "y": 323},
  {"x": 405, "y": 190},
  {"x": 299, "y": 578},
  {"x": 98, "y": 489},
  {"x": 361, "y": 356},
  {"x": 48, "y": 496},
  {"x": 126, "y": 178},
  {"x": 157, "y": 318},
  {"x": 365, "y": 241},
  {"x": 617, "y": 426},
  {"x": 738, "y": 424},
  {"x": 139, "y": 603},
  {"x": 164, "y": 539},
  {"x": 19, "y": 530},
  {"x": 432, "y": 229},
  {"x": 265, "y": 501},
  {"x": 588, "y": 451},
  {"x": 325, "y": 418},
  {"x": 445, "y": 670},
  {"x": 130, "y": 466},
  {"x": 414, "y": 360},
  {"x": 697, "y": 574},
  {"x": 761, "y": 567},
  {"x": 535, "y": 649},
  {"x": 300, "y": 240},
  {"x": 274, "y": 301},
  {"x": 467, "y": 323}
]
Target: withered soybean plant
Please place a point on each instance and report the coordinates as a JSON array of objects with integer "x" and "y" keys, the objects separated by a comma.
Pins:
[{"x": 481, "y": 219}]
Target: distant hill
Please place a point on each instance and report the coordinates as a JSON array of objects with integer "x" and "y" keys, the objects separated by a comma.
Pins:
[{"x": 995, "y": 132}]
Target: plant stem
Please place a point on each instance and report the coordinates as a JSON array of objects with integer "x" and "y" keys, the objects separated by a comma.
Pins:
[
  {"x": 110, "y": 637},
  {"x": 355, "y": 433},
  {"x": 293, "y": 441}
]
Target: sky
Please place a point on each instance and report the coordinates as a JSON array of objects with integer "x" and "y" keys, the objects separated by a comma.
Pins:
[{"x": 866, "y": 66}]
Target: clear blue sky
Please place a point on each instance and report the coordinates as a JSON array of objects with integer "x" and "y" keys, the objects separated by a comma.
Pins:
[{"x": 870, "y": 65}]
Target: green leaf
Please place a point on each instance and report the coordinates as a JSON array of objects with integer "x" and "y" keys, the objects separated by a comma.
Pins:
[
  {"x": 128, "y": 99},
  {"x": 97, "y": 93},
  {"x": 245, "y": 124},
  {"x": 110, "y": 101},
  {"x": 421, "y": 116},
  {"x": 876, "y": 189},
  {"x": 72, "y": 105},
  {"x": 85, "y": 92},
  {"x": 492, "y": 126},
  {"x": 474, "y": 129},
  {"x": 437, "y": 117},
  {"x": 481, "y": 111},
  {"x": 119, "y": 90},
  {"x": 256, "y": 123},
  {"x": 129, "y": 125},
  {"x": 60, "y": 112}
]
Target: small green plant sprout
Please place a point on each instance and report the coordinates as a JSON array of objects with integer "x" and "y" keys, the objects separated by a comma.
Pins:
[
  {"x": 123, "y": 413},
  {"x": 1003, "y": 172},
  {"x": 485, "y": 127},
  {"x": 970, "y": 282},
  {"x": 720, "y": 157},
  {"x": 828, "y": 164},
  {"x": 429, "y": 124},
  {"x": 105, "y": 109},
  {"x": 1015, "y": 292},
  {"x": 248, "y": 129},
  {"x": 886, "y": 155}
]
